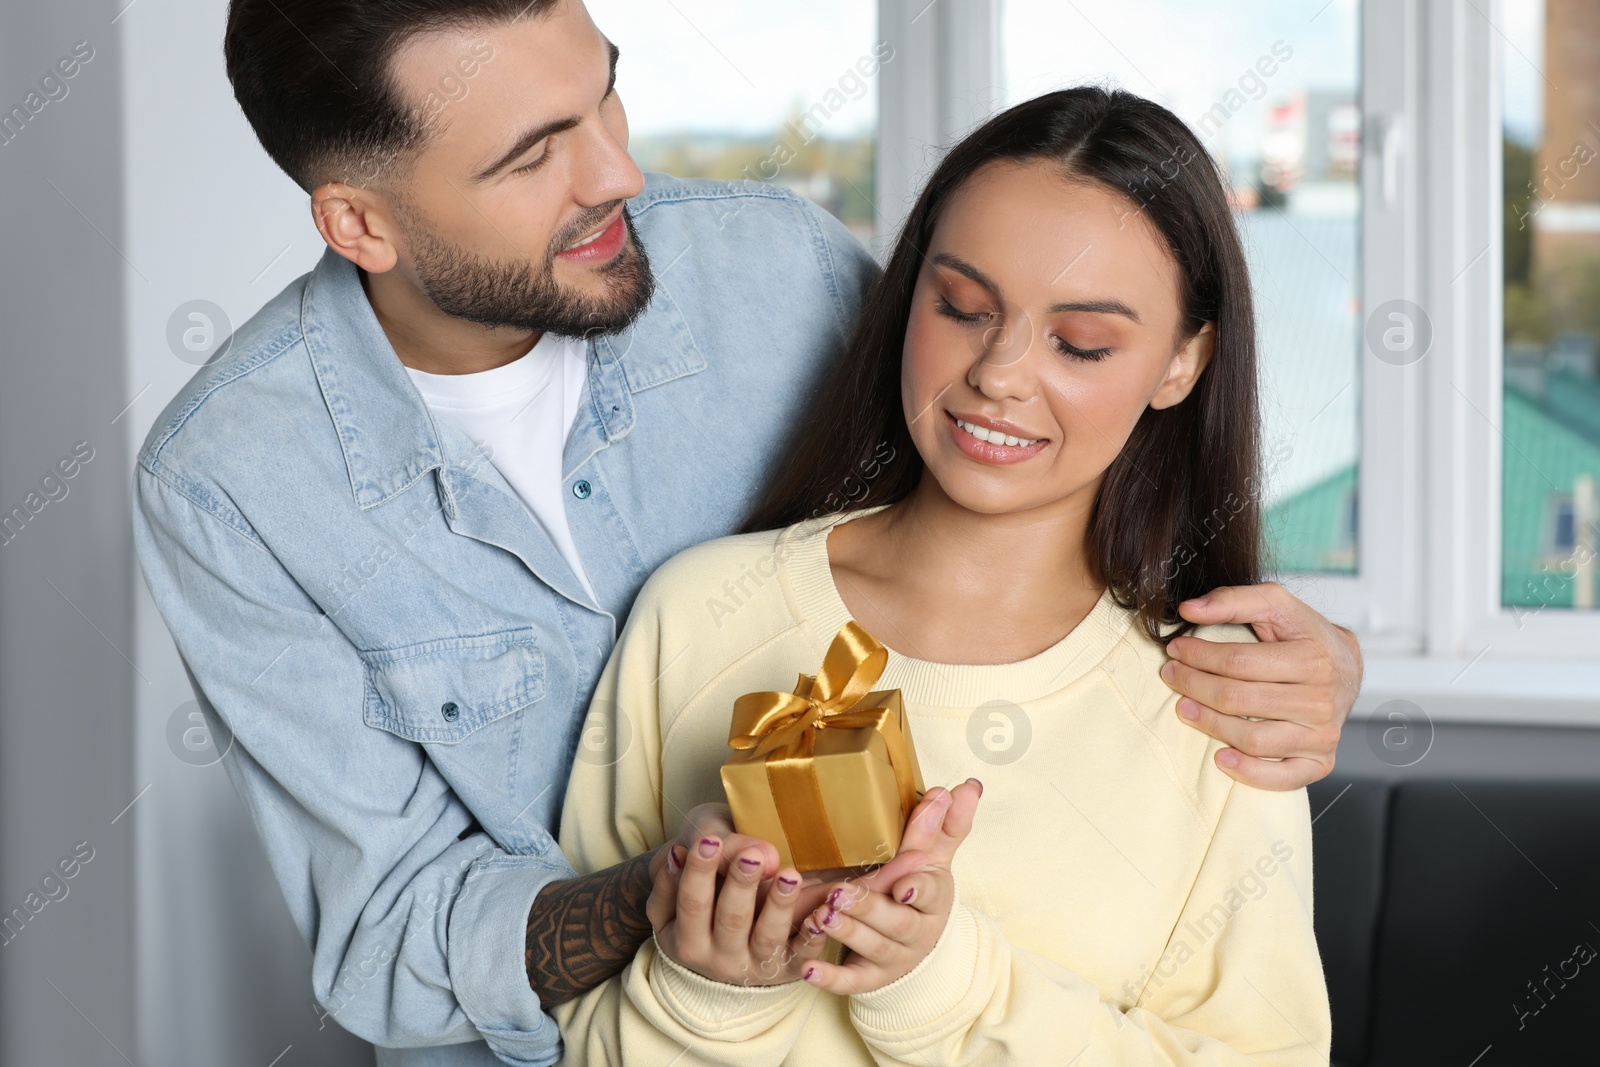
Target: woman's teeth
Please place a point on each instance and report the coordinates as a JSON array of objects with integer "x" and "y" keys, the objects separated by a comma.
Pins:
[{"x": 995, "y": 437}]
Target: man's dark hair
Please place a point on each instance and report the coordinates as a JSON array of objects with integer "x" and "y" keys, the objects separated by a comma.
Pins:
[
  {"x": 1178, "y": 512},
  {"x": 315, "y": 78}
]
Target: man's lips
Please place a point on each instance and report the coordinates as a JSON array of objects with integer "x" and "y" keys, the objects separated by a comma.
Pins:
[
  {"x": 968, "y": 433},
  {"x": 600, "y": 246}
]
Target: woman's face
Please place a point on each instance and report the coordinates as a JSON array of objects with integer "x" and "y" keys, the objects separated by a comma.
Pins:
[{"x": 1044, "y": 322}]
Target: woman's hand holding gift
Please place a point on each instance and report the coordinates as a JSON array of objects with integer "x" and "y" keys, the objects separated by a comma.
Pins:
[
  {"x": 752, "y": 930},
  {"x": 732, "y": 933},
  {"x": 890, "y": 927}
]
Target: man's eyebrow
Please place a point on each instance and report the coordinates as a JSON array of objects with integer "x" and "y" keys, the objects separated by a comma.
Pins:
[
  {"x": 548, "y": 129},
  {"x": 1098, "y": 307}
]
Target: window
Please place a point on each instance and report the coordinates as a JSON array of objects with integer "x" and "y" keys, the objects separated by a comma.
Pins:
[
  {"x": 756, "y": 91},
  {"x": 1274, "y": 95},
  {"x": 1551, "y": 292}
]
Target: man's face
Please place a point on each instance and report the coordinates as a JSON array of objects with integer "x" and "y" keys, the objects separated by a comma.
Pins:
[{"x": 512, "y": 212}]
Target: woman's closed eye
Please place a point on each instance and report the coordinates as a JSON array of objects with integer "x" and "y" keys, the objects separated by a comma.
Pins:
[
  {"x": 943, "y": 305},
  {"x": 1092, "y": 355},
  {"x": 972, "y": 318}
]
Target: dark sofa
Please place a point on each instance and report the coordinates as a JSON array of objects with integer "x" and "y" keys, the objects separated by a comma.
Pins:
[{"x": 1459, "y": 919}]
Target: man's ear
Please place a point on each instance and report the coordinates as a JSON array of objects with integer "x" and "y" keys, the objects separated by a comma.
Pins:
[
  {"x": 357, "y": 225},
  {"x": 1184, "y": 370}
]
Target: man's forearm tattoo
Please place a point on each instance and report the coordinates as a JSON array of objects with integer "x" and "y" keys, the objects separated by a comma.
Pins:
[{"x": 586, "y": 929}]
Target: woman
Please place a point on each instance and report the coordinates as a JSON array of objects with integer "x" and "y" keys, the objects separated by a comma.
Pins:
[{"x": 1048, "y": 424}]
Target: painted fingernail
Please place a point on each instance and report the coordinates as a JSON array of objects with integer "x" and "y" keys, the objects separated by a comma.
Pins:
[
  {"x": 708, "y": 847},
  {"x": 749, "y": 862},
  {"x": 1188, "y": 709},
  {"x": 813, "y": 929},
  {"x": 833, "y": 898},
  {"x": 674, "y": 864},
  {"x": 905, "y": 898},
  {"x": 810, "y": 974},
  {"x": 787, "y": 885},
  {"x": 831, "y": 919}
]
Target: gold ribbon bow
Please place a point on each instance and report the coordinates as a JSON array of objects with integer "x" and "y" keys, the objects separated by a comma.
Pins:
[{"x": 783, "y": 728}]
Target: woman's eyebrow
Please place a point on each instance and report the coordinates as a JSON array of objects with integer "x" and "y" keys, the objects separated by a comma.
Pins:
[
  {"x": 962, "y": 267},
  {"x": 1100, "y": 307}
]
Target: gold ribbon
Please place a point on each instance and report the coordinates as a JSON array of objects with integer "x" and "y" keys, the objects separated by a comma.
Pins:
[{"x": 783, "y": 728}]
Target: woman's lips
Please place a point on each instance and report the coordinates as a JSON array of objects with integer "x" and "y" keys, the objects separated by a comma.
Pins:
[
  {"x": 998, "y": 455},
  {"x": 601, "y": 248}
]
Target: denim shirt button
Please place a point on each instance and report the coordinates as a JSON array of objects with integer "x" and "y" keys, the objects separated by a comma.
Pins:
[
  {"x": 450, "y": 712},
  {"x": 581, "y": 490}
]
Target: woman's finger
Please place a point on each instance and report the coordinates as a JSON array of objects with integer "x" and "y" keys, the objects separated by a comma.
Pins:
[
  {"x": 925, "y": 892},
  {"x": 734, "y": 845},
  {"x": 957, "y": 823},
  {"x": 769, "y": 938},
  {"x": 922, "y": 825},
  {"x": 856, "y": 935},
  {"x": 842, "y": 980},
  {"x": 875, "y": 910},
  {"x": 736, "y": 905},
  {"x": 663, "y": 903},
  {"x": 809, "y": 941},
  {"x": 697, "y": 896},
  {"x": 906, "y": 861}
]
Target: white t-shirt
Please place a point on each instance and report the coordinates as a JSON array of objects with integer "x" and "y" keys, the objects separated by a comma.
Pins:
[{"x": 519, "y": 415}]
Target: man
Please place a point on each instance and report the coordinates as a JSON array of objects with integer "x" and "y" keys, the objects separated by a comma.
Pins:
[{"x": 395, "y": 529}]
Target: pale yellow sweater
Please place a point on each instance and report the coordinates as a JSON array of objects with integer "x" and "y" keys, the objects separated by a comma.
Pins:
[{"x": 1121, "y": 901}]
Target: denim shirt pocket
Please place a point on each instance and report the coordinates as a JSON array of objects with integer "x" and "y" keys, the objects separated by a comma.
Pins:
[{"x": 441, "y": 691}]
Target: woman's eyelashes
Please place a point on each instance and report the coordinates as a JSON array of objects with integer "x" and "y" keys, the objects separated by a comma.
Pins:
[
  {"x": 949, "y": 310},
  {"x": 972, "y": 318},
  {"x": 1092, "y": 355}
]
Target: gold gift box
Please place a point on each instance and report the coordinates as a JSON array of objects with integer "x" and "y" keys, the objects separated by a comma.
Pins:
[{"x": 827, "y": 773}]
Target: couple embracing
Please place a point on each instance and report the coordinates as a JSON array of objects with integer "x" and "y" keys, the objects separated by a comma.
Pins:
[{"x": 478, "y": 484}]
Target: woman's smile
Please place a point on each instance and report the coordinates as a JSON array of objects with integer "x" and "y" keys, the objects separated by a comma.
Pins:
[{"x": 988, "y": 441}]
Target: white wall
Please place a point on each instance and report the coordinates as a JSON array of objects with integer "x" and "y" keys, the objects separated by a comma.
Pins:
[
  {"x": 139, "y": 189},
  {"x": 222, "y": 975},
  {"x": 65, "y": 619}
]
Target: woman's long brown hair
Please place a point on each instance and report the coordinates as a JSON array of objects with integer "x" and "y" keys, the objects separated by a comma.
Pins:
[{"x": 1178, "y": 512}]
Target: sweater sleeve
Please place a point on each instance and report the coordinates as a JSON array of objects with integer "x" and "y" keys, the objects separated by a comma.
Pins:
[
  {"x": 655, "y": 1011},
  {"x": 1240, "y": 981}
]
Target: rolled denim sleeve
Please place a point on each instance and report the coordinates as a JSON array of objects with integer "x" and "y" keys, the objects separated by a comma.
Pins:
[
  {"x": 414, "y": 917},
  {"x": 487, "y": 929}
]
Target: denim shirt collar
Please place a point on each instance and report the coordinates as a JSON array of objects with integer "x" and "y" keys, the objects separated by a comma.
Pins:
[{"x": 387, "y": 433}]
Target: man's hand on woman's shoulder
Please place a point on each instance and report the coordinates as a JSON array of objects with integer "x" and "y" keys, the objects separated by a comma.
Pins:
[{"x": 1300, "y": 681}]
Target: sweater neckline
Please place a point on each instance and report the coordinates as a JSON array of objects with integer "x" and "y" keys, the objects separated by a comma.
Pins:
[{"x": 821, "y": 611}]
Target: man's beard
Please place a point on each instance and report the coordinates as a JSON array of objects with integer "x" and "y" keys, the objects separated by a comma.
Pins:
[{"x": 528, "y": 297}]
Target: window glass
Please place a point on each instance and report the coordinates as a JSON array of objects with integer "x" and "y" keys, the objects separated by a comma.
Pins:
[
  {"x": 767, "y": 92},
  {"x": 1550, "y": 90},
  {"x": 1272, "y": 89}
]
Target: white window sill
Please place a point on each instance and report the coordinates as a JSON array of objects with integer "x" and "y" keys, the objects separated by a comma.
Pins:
[{"x": 1500, "y": 692}]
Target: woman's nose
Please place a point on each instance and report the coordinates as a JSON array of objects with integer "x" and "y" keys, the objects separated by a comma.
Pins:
[{"x": 1000, "y": 366}]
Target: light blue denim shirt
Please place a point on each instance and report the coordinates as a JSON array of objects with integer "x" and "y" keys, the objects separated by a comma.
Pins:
[{"x": 401, "y": 654}]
